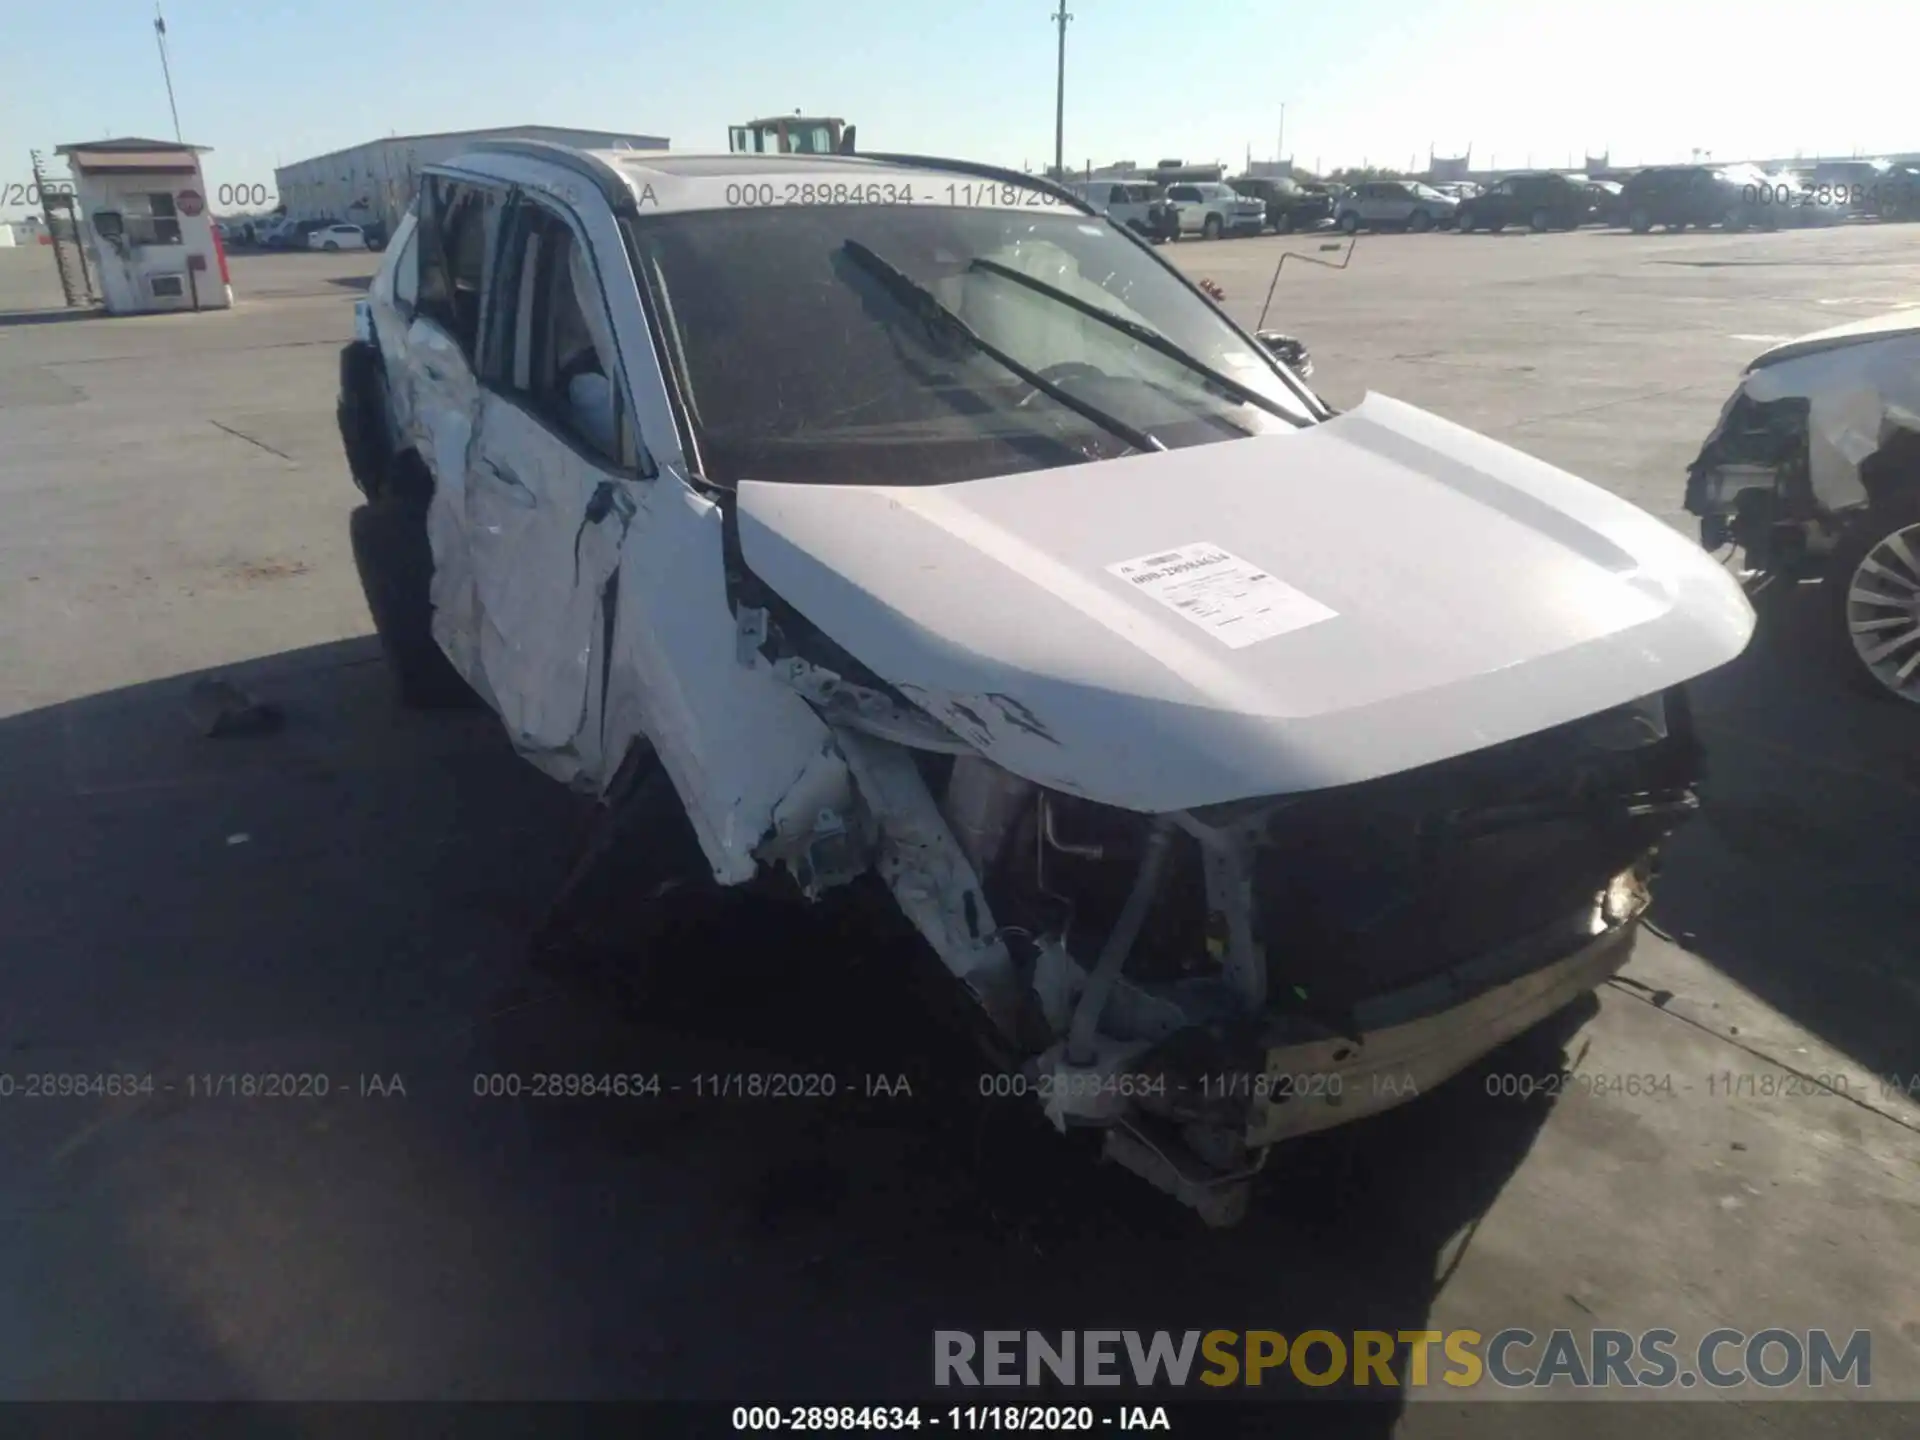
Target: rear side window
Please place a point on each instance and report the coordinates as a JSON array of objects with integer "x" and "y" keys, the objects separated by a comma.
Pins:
[{"x": 455, "y": 226}]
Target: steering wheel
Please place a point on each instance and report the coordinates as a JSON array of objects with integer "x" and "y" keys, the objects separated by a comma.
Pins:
[{"x": 1065, "y": 370}]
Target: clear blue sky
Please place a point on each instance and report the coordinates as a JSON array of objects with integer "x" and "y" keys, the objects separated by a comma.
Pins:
[{"x": 267, "y": 81}]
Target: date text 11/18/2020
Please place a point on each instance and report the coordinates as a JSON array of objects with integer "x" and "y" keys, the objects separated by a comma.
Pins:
[{"x": 201, "y": 1085}]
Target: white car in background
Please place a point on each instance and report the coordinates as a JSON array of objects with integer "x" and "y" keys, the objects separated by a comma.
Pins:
[
  {"x": 1211, "y": 209},
  {"x": 337, "y": 237},
  {"x": 1132, "y": 203}
]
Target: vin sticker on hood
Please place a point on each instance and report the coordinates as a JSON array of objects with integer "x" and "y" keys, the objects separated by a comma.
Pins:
[{"x": 1233, "y": 600}]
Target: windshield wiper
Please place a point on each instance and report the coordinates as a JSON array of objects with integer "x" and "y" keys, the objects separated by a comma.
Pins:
[
  {"x": 1146, "y": 335},
  {"x": 924, "y": 304}
]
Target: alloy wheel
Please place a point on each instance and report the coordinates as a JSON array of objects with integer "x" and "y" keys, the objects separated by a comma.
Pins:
[{"x": 1883, "y": 611}]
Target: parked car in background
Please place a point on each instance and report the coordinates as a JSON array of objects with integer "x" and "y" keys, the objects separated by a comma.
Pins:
[
  {"x": 1540, "y": 200},
  {"x": 1135, "y": 204},
  {"x": 1676, "y": 196},
  {"x": 1394, "y": 204},
  {"x": 1459, "y": 189},
  {"x": 1604, "y": 202},
  {"x": 1210, "y": 209},
  {"x": 1813, "y": 472},
  {"x": 1290, "y": 205},
  {"x": 1798, "y": 203},
  {"x": 1860, "y": 184},
  {"x": 337, "y": 236}
]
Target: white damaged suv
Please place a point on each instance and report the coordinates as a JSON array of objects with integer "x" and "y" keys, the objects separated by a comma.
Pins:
[{"x": 919, "y": 535}]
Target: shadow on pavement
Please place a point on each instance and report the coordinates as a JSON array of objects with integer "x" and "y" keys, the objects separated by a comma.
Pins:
[
  {"x": 48, "y": 317},
  {"x": 1797, "y": 879},
  {"x": 343, "y": 903}
]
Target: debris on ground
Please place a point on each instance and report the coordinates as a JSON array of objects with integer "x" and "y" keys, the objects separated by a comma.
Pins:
[{"x": 219, "y": 708}]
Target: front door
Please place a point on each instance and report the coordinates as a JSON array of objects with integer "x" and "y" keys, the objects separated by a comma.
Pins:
[{"x": 550, "y": 493}]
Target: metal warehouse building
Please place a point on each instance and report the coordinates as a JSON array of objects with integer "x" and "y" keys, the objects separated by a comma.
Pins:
[{"x": 374, "y": 183}]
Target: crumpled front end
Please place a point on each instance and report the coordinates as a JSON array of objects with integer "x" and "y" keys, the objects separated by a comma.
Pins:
[
  {"x": 1202, "y": 984},
  {"x": 1815, "y": 427}
]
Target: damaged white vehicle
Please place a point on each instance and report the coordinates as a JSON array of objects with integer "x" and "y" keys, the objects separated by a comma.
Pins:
[
  {"x": 922, "y": 535},
  {"x": 1813, "y": 471}
]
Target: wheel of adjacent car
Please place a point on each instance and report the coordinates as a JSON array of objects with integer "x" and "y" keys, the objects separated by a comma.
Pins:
[
  {"x": 395, "y": 562},
  {"x": 1639, "y": 221},
  {"x": 1463, "y": 220},
  {"x": 1350, "y": 222},
  {"x": 1874, "y": 605},
  {"x": 1210, "y": 228}
]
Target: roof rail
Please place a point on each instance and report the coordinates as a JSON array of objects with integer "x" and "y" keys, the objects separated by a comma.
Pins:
[
  {"x": 987, "y": 172},
  {"x": 588, "y": 167}
]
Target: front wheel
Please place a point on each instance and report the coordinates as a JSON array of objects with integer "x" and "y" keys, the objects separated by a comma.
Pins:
[
  {"x": 1874, "y": 609},
  {"x": 395, "y": 562},
  {"x": 1349, "y": 223},
  {"x": 1420, "y": 221},
  {"x": 331, "y": 245},
  {"x": 1540, "y": 221},
  {"x": 1463, "y": 221},
  {"x": 1210, "y": 230},
  {"x": 1639, "y": 221}
]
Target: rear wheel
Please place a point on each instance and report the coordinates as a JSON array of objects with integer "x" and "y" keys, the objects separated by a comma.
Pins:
[
  {"x": 331, "y": 245},
  {"x": 1350, "y": 222},
  {"x": 1639, "y": 221},
  {"x": 1540, "y": 220},
  {"x": 1874, "y": 607},
  {"x": 1421, "y": 221},
  {"x": 395, "y": 562}
]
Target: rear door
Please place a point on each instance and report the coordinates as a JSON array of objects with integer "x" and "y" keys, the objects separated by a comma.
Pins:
[
  {"x": 552, "y": 490},
  {"x": 458, "y": 232}
]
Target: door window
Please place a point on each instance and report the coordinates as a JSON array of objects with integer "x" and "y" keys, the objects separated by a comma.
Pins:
[
  {"x": 555, "y": 347},
  {"x": 454, "y": 226}
]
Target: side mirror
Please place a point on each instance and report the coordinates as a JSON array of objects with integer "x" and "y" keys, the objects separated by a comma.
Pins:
[
  {"x": 846, "y": 139},
  {"x": 1288, "y": 351},
  {"x": 108, "y": 225}
]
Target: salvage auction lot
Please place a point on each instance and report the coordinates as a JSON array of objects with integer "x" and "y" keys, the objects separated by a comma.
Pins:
[{"x": 346, "y": 898}]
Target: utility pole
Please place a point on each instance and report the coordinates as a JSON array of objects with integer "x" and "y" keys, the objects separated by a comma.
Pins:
[
  {"x": 1060, "y": 17},
  {"x": 160, "y": 37},
  {"x": 1280, "y": 141}
]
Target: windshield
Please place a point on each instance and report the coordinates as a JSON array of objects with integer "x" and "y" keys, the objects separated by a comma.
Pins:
[{"x": 799, "y": 363}]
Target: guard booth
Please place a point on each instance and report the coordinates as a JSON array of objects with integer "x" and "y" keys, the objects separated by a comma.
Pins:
[
  {"x": 143, "y": 221},
  {"x": 791, "y": 135}
]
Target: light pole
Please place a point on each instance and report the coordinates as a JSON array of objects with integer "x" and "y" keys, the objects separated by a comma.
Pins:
[
  {"x": 160, "y": 38},
  {"x": 1060, "y": 17},
  {"x": 1280, "y": 141}
]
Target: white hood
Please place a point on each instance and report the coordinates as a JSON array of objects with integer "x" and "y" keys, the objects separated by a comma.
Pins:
[{"x": 1253, "y": 617}]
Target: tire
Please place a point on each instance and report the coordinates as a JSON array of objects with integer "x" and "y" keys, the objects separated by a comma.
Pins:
[
  {"x": 1210, "y": 228},
  {"x": 1676, "y": 226},
  {"x": 1284, "y": 225},
  {"x": 1733, "y": 222},
  {"x": 1420, "y": 222},
  {"x": 1897, "y": 517},
  {"x": 362, "y": 416},
  {"x": 1463, "y": 221},
  {"x": 396, "y": 569},
  {"x": 1496, "y": 226},
  {"x": 1350, "y": 223},
  {"x": 1639, "y": 221},
  {"x": 1540, "y": 221},
  {"x": 331, "y": 245}
]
